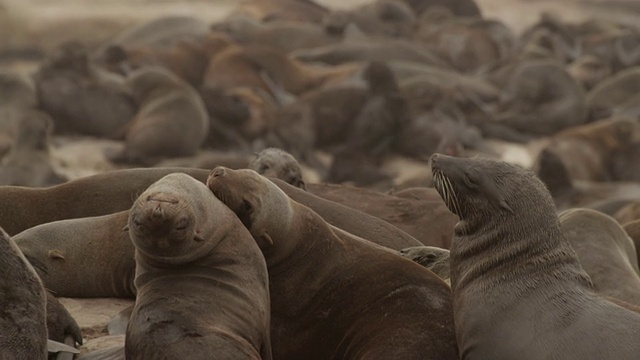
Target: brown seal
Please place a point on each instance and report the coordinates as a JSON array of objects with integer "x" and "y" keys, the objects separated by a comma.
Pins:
[
  {"x": 457, "y": 7},
  {"x": 277, "y": 163},
  {"x": 590, "y": 151},
  {"x": 605, "y": 251},
  {"x": 541, "y": 98},
  {"x": 429, "y": 221},
  {"x": 171, "y": 120},
  {"x": 109, "y": 192},
  {"x": 28, "y": 163},
  {"x": 81, "y": 97},
  {"x": 23, "y": 329},
  {"x": 614, "y": 95},
  {"x": 310, "y": 266},
  {"x": 278, "y": 10},
  {"x": 433, "y": 258},
  {"x": 589, "y": 70},
  {"x": 379, "y": 18},
  {"x": 27, "y": 207},
  {"x": 509, "y": 253},
  {"x": 201, "y": 280},
  {"x": 84, "y": 257}
]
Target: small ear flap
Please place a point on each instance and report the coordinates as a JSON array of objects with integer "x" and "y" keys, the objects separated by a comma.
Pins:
[
  {"x": 125, "y": 228},
  {"x": 265, "y": 240},
  {"x": 504, "y": 205},
  {"x": 198, "y": 238},
  {"x": 56, "y": 254},
  {"x": 302, "y": 185}
]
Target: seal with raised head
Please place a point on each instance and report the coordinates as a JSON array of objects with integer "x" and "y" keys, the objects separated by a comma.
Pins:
[
  {"x": 313, "y": 270},
  {"x": 201, "y": 279},
  {"x": 509, "y": 254},
  {"x": 605, "y": 252},
  {"x": 433, "y": 258},
  {"x": 171, "y": 121},
  {"x": 83, "y": 258},
  {"x": 23, "y": 326}
]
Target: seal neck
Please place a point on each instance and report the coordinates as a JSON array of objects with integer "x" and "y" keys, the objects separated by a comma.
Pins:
[{"x": 519, "y": 253}]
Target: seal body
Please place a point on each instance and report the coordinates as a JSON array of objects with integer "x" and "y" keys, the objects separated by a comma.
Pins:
[
  {"x": 201, "y": 280},
  {"x": 605, "y": 251},
  {"x": 311, "y": 271},
  {"x": 509, "y": 253},
  {"x": 84, "y": 257},
  {"x": 23, "y": 327}
]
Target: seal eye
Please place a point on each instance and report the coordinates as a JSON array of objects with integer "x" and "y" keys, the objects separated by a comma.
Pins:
[
  {"x": 470, "y": 182},
  {"x": 247, "y": 208},
  {"x": 263, "y": 168}
]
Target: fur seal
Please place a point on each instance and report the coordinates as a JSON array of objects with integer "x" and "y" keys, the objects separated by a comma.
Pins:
[
  {"x": 428, "y": 221},
  {"x": 540, "y": 99},
  {"x": 27, "y": 207},
  {"x": 509, "y": 253},
  {"x": 433, "y": 258},
  {"x": 202, "y": 282},
  {"x": 303, "y": 252},
  {"x": 23, "y": 324},
  {"x": 457, "y": 7},
  {"x": 279, "y": 10},
  {"x": 589, "y": 70},
  {"x": 605, "y": 251},
  {"x": 277, "y": 163},
  {"x": 28, "y": 163},
  {"x": 83, "y": 98},
  {"x": 171, "y": 121},
  {"x": 84, "y": 257},
  {"x": 589, "y": 151},
  {"x": 380, "y": 18},
  {"x": 610, "y": 96}
]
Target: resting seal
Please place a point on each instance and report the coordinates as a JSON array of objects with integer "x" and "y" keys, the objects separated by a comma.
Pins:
[
  {"x": 23, "y": 326},
  {"x": 431, "y": 257},
  {"x": 509, "y": 254},
  {"x": 277, "y": 163},
  {"x": 201, "y": 280},
  {"x": 313, "y": 268},
  {"x": 82, "y": 258},
  {"x": 171, "y": 120},
  {"x": 605, "y": 251}
]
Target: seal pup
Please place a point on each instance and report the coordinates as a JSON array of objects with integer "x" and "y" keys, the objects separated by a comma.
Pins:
[
  {"x": 171, "y": 120},
  {"x": 433, "y": 258},
  {"x": 28, "y": 163},
  {"x": 23, "y": 324},
  {"x": 509, "y": 253},
  {"x": 82, "y": 258},
  {"x": 605, "y": 252},
  {"x": 312, "y": 268},
  {"x": 277, "y": 163},
  {"x": 201, "y": 280}
]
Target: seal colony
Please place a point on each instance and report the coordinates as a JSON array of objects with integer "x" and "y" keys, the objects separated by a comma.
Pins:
[{"x": 509, "y": 254}]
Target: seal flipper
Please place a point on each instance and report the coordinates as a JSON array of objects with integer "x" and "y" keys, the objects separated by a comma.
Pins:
[{"x": 56, "y": 347}]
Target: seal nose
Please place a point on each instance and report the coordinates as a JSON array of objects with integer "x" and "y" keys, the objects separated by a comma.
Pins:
[{"x": 218, "y": 172}]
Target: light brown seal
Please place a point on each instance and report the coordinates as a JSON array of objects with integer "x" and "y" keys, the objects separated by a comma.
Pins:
[
  {"x": 433, "y": 258},
  {"x": 509, "y": 253},
  {"x": 277, "y": 163},
  {"x": 171, "y": 119},
  {"x": 23, "y": 326},
  {"x": 201, "y": 280},
  {"x": 84, "y": 257},
  {"x": 605, "y": 252},
  {"x": 312, "y": 267},
  {"x": 28, "y": 163}
]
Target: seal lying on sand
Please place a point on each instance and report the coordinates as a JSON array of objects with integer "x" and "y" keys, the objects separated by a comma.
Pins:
[
  {"x": 201, "y": 280},
  {"x": 314, "y": 271},
  {"x": 509, "y": 254}
]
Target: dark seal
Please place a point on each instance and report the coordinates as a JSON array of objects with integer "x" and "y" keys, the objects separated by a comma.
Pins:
[{"x": 510, "y": 255}]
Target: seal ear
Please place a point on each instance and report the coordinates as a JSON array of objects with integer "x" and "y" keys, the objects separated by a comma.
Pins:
[
  {"x": 264, "y": 240},
  {"x": 504, "y": 205},
  {"x": 56, "y": 254},
  {"x": 125, "y": 228}
]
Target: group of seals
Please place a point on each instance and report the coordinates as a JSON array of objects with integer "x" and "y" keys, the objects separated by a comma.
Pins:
[
  {"x": 510, "y": 254},
  {"x": 201, "y": 280},
  {"x": 313, "y": 272}
]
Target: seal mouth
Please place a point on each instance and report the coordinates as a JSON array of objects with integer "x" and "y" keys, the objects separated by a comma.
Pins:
[{"x": 445, "y": 188}]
